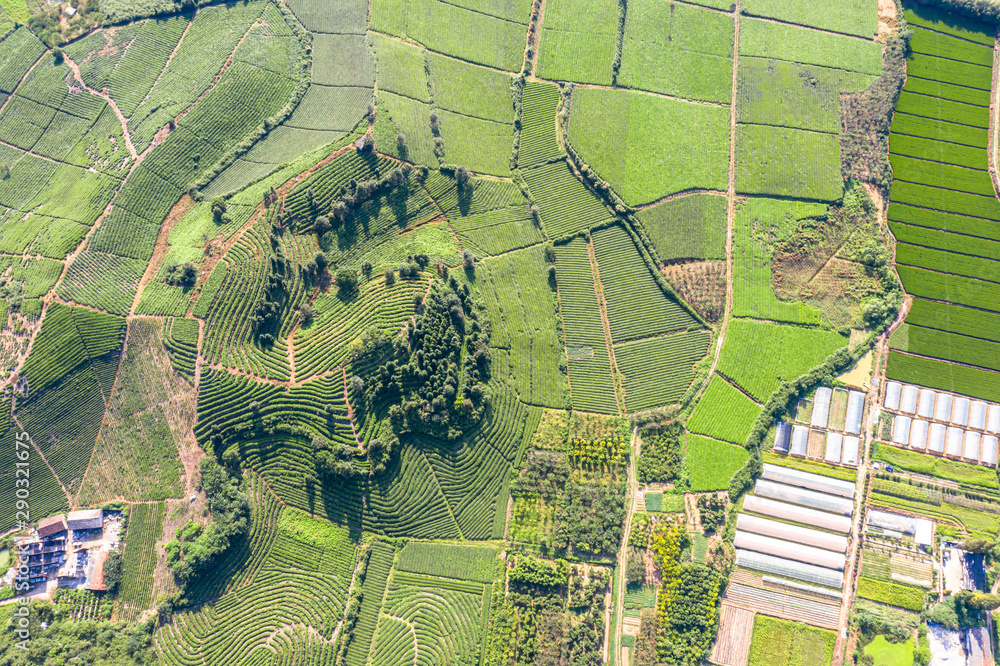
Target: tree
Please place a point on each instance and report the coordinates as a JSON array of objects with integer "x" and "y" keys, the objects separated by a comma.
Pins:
[
  {"x": 305, "y": 313},
  {"x": 357, "y": 384},
  {"x": 368, "y": 144},
  {"x": 401, "y": 142},
  {"x": 390, "y": 277},
  {"x": 635, "y": 569},
  {"x": 347, "y": 280},
  {"x": 4, "y": 172},
  {"x": 469, "y": 258},
  {"x": 462, "y": 176},
  {"x": 181, "y": 275},
  {"x": 218, "y": 208},
  {"x": 113, "y": 570},
  {"x": 322, "y": 225}
]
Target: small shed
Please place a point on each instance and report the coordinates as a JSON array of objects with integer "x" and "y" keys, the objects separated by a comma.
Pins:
[
  {"x": 782, "y": 436},
  {"x": 923, "y": 531},
  {"x": 935, "y": 438},
  {"x": 88, "y": 519},
  {"x": 942, "y": 412},
  {"x": 901, "y": 429},
  {"x": 908, "y": 399},
  {"x": 960, "y": 413},
  {"x": 70, "y": 11},
  {"x": 851, "y": 447},
  {"x": 954, "y": 445},
  {"x": 52, "y": 526},
  {"x": 977, "y": 415},
  {"x": 892, "y": 390},
  {"x": 925, "y": 406}
]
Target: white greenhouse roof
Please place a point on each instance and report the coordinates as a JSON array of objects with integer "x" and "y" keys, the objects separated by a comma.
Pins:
[
  {"x": 851, "y": 447},
  {"x": 993, "y": 419},
  {"x": 977, "y": 415},
  {"x": 782, "y": 435},
  {"x": 821, "y": 407},
  {"x": 809, "y": 498},
  {"x": 803, "y": 535},
  {"x": 891, "y": 521},
  {"x": 792, "y": 551},
  {"x": 855, "y": 412},
  {"x": 818, "y": 482},
  {"x": 942, "y": 411},
  {"x": 954, "y": 445},
  {"x": 822, "y": 591},
  {"x": 935, "y": 437},
  {"x": 800, "y": 440},
  {"x": 834, "y": 446},
  {"x": 908, "y": 399},
  {"x": 799, "y": 514},
  {"x": 925, "y": 405},
  {"x": 960, "y": 413},
  {"x": 918, "y": 435},
  {"x": 970, "y": 448},
  {"x": 782, "y": 567},
  {"x": 988, "y": 451},
  {"x": 892, "y": 391},
  {"x": 923, "y": 531},
  {"x": 901, "y": 429}
]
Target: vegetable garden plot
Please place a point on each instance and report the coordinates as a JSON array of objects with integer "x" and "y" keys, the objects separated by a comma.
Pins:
[
  {"x": 401, "y": 115},
  {"x": 692, "y": 226},
  {"x": 923, "y": 172},
  {"x": 346, "y": 18},
  {"x": 712, "y": 463},
  {"x": 658, "y": 370},
  {"x": 47, "y": 236},
  {"x": 23, "y": 122},
  {"x": 472, "y": 563},
  {"x": 951, "y": 288},
  {"x": 950, "y": 346},
  {"x": 637, "y": 305},
  {"x": 767, "y": 39},
  {"x": 948, "y": 261},
  {"x": 18, "y": 52},
  {"x": 522, "y": 309},
  {"x": 104, "y": 281},
  {"x": 849, "y": 17},
  {"x": 788, "y": 162},
  {"x": 47, "y": 497},
  {"x": 768, "y": 89},
  {"x": 923, "y": 66},
  {"x": 930, "y": 42},
  {"x": 943, "y": 109},
  {"x": 723, "y": 412},
  {"x": 955, "y": 319},
  {"x": 677, "y": 50},
  {"x": 782, "y": 643},
  {"x": 482, "y": 145},
  {"x": 950, "y": 23},
  {"x": 342, "y": 60},
  {"x": 577, "y": 41},
  {"x": 641, "y": 144},
  {"x": 962, "y": 203},
  {"x": 757, "y": 222},
  {"x": 498, "y": 231},
  {"x": 790, "y": 351},
  {"x": 948, "y": 91},
  {"x": 939, "y": 130}
]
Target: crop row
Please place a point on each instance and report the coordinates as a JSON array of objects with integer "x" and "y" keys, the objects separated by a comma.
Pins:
[
  {"x": 145, "y": 528},
  {"x": 181, "y": 341},
  {"x": 637, "y": 305},
  {"x": 923, "y": 66},
  {"x": 19, "y": 52},
  {"x": 945, "y": 376},
  {"x": 373, "y": 589},
  {"x": 939, "y": 129},
  {"x": 712, "y": 464},
  {"x": 473, "y": 563},
  {"x": 47, "y": 498},
  {"x": 946, "y": 261},
  {"x": 936, "y": 174},
  {"x": 936, "y": 108},
  {"x": 538, "y": 130},
  {"x": 723, "y": 412},
  {"x": 934, "y": 219},
  {"x": 938, "y": 151},
  {"x": 946, "y": 200},
  {"x": 105, "y": 281},
  {"x": 958, "y": 348},
  {"x": 954, "y": 319},
  {"x": 951, "y": 288},
  {"x": 325, "y": 184},
  {"x": 659, "y": 370}
]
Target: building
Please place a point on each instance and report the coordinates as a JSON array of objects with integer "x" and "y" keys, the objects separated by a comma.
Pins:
[
  {"x": 89, "y": 519},
  {"x": 52, "y": 526},
  {"x": 95, "y": 571}
]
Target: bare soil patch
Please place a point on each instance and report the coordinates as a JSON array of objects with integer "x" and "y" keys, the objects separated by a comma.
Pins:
[{"x": 700, "y": 283}]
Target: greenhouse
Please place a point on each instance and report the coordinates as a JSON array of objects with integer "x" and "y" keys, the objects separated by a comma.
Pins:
[
  {"x": 942, "y": 412},
  {"x": 822, "y": 591},
  {"x": 855, "y": 412},
  {"x": 821, "y": 407},
  {"x": 977, "y": 415},
  {"x": 852, "y": 445},
  {"x": 923, "y": 532},
  {"x": 782, "y": 567},
  {"x": 800, "y": 441},
  {"x": 803, "y": 535},
  {"x": 795, "y": 477},
  {"x": 970, "y": 449},
  {"x": 892, "y": 390},
  {"x": 954, "y": 445},
  {"x": 960, "y": 414},
  {"x": 793, "y": 551},
  {"x": 935, "y": 437},
  {"x": 782, "y": 435},
  {"x": 918, "y": 435},
  {"x": 798, "y": 514},
  {"x": 834, "y": 447},
  {"x": 808, "y": 498},
  {"x": 925, "y": 407},
  {"x": 890, "y": 521},
  {"x": 993, "y": 419},
  {"x": 908, "y": 399},
  {"x": 901, "y": 429},
  {"x": 988, "y": 451}
]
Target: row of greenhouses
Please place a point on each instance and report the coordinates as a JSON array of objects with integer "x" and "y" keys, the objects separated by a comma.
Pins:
[
  {"x": 929, "y": 405},
  {"x": 944, "y": 440},
  {"x": 803, "y": 442}
]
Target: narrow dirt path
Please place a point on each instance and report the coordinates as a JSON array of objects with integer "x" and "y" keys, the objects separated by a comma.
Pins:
[
  {"x": 731, "y": 206},
  {"x": 107, "y": 98},
  {"x": 619, "y": 601},
  {"x": 162, "y": 247},
  {"x": 21, "y": 82},
  {"x": 602, "y": 306},
  {"x": 69, "y": 498}
]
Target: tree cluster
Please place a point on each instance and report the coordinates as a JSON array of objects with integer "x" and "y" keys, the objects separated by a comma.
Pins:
[
  {"x": 713, "y": 512},
  {"x": 351, "y": 197},
  {"x": 181, "y": 275},
  {"x": 197, "y": 547},
  {"x": 545, "y": 474},
  {"x": 532, "y": 572},
  {"x": 662, "y": 458},
  {"x": 436, "y": 373},
  {"x": 113, "y": 570}
]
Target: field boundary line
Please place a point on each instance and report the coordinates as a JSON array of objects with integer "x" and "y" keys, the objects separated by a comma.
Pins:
[
  {"x": 172, "y": 54},
  {"x": 991, "y": 138},
  {"x": 38, "y": 449},
  {"x": 602, "y": 308},
  {"x": 162, "y": 246},
  {"x": 870, "y": 40},
  {"x": 23, "y": 79},
  {"x": 739, "y": 388},
  {"x": 640, "y": 91},
  {"x": 678, "y": 195}
]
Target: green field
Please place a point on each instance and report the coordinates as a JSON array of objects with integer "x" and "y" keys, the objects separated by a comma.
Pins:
[
  {"x": 712, "y": 463},
  {"x": 577, "y": 41},
  {"x": 782, "y": 643},
  {"x": 890, "y": 654},
  {"x": 688, "y": 227},
  {"x": 911, "y": 598},
  {"x": 723, "y": 412}
]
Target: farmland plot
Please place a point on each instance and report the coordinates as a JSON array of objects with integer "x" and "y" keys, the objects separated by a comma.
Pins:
[
  {"x": 723, "y": 412},
  {"x": 658, "y": 370},
  {"x": 577, "y": 41},
  {"x": 689, "y": 227}
]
